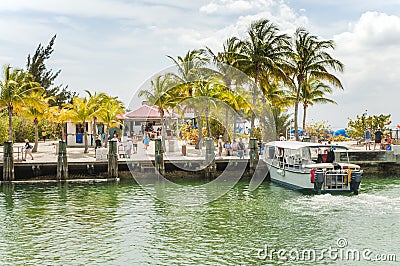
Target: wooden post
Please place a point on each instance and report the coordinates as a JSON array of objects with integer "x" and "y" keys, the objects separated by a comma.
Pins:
[
  {"x": 253, "y": 153},
  {"x": 8, "y": 161},
  {"x": 210, "y": 158},
  {"x": 112, "y": 159},
  {"x": 62, "y": 163},
  {"x": 159, "y": 157}
]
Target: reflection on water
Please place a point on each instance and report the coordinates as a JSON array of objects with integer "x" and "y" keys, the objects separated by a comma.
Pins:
[{"x": 120, "y": 224}]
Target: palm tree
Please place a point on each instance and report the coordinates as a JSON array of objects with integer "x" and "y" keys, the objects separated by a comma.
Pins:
[
  {"x": 15, "y": 89},
  {"x": 109, "y": 113},
  {"x": 313, "y": 92},
  {"x": 190, "y": 70},
  {"x": 264, "y": 54},
  {"x": 36, "y": 109},
  {"x": 82, "y": 110},
  {"x": 163, "y": 95},
  {"x": 227, "y": 61},
  {"x": 310, "y": 59}
]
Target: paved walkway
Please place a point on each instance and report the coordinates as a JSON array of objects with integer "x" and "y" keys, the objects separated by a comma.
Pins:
[{"x": 47, "y": 152}]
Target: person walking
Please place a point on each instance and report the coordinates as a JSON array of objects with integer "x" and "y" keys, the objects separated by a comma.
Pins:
[
  {"x": 28, "y": 149},
  {"x": 368, "y": 139},
  {"x": 146, "y": 141},
  {"x": 134, "y": 143}
]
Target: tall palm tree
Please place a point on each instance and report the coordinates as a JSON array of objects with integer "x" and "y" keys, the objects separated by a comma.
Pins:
[
  {"x": 82, "y": 110},
  {"x": 190, "y": 70},
  {"x": 164, "y": 95},
  {"x": 227, "y": 61},
  {"x": 313, "y": 92},
  {"x": 109, "y": 112},
  {"x": 35, "y": 109},
  {"x": 15, "y": 89},
  {"x": 96, "y": 99},
  {"x": 264, "y": 54},
  {"x": 310, "y": 59}
]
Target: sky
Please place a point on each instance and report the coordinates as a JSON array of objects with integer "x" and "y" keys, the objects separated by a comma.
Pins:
[{"x": 114, "y": 46}]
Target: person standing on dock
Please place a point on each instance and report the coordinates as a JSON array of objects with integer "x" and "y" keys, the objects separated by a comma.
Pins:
[
  {"x": 146, "y": 141},
  {"x": 368, "y": 139},
  {"x": 220, "y": 145},
  {"x": 241, "y": 148},
  {"x": 134, "y": 143},
  {"x": 28, "y": 149},
  {"x": 378, "y": 138}
]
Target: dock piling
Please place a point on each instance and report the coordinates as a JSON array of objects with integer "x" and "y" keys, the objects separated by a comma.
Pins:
[
  {"x": 62, "y": 162},
  {"x": 8, "y": 161},
  {"x": 253, "y": 153},
  {"x": 159, "y": 157},
  {"x": 210, "y": 158},
  {"x": 112, "y": 159}
]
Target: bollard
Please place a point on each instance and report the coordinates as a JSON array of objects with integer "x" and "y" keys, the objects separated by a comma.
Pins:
[
  {"x": 159, "y": 156},
  {"x": 8, "y": 161},
  {"x": 62, "y": 163},
  {"x": 112, "y": 159},
  {"x": 210, "y": 158},
  {"x": 253, "y": 153}
]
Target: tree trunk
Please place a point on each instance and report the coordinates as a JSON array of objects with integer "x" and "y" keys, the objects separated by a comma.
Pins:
[
  {"x": 304, "y": 116},
  {"x": 296, "y": 106},
  {"x": 10, "y": 131},
  {"x": 85, "y": 138},
  {"x": 36, "y": 123},
  {"x": 234, "y": 124},
  {"x": 228, "y": 86},
  {"x": 253, "y": 115},
  {"x": 208, "y": 124},
  {"x": 163, "y": 133},
  {"x": 106, "y": 138},
  {"x": 62, "y": 132}
]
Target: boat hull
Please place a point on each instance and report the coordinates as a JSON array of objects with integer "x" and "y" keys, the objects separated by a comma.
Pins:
[{"x": 299, "y": 179}]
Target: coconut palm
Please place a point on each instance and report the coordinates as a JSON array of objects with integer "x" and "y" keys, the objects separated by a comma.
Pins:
[
  {"x": 313, "y": 92},
  {"x": 165, "y": 95},
  {"x": 82, "y": 110},
  {"x": 36, "y": 109},
  {"x": 16, "y": 87},
  {"x": 310, "y": 59},
  {"x": 227, "y": 61},
  {"x": 110, "y": 112},
  {"x": 264, "y": 54},
  {"x": 190, "y": 70}
]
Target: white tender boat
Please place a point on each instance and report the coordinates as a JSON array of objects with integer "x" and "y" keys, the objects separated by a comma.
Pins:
[{"x": 310, "y": 167}]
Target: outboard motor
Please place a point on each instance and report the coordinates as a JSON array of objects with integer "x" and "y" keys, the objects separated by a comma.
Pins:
[
  {"x": 355, "y": 181},
  {"x": 319, "y": 180}
]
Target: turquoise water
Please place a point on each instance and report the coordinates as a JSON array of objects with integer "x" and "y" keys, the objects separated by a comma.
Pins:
[{"x": 120, "y": 224}]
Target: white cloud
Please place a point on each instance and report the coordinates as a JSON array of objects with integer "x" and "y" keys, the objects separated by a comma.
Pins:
[
  {"x": 371, "y": 53},
  {"x": 236, "y": 6}
]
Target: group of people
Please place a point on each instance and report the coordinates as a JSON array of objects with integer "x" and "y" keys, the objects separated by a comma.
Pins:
[
  {"x": 236, "y": 148},
  {"x": 383, "y": 141}
]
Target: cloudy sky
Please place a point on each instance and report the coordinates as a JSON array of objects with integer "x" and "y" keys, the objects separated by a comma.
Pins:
[{"x": 115, "y": 45}]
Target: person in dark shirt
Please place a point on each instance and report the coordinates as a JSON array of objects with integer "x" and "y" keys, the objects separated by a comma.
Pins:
[{"x": 378, "y": 138}]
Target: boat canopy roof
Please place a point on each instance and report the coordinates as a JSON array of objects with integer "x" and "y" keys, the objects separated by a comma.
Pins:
[{"x": 295, "y": 145}]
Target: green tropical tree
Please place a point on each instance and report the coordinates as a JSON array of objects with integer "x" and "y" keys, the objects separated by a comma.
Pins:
[
  {"x": 313, "y": 92},
  {"x": 310, "y": 59},
  {"x": 191, "y": 69},
  {"x": 110, "y": 112},
  {"x": 264, "y": 55},
  {"x": 36, "y": 110},
  {"x": 227, "y": 62},
  {"x": 82, "y": 110},
  {"x": 164, "y": 95},
  {"x": 16, "y": 87}
]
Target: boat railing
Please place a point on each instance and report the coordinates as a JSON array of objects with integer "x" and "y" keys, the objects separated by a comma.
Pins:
[{"x": 336, "y": 179}]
